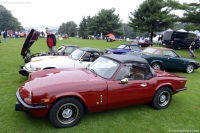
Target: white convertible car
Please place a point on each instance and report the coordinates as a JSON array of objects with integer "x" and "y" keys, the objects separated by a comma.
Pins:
[{"x": 80, "y": 58}]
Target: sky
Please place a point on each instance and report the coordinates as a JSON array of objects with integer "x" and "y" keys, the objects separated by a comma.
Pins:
[{"x": 52, "y": 13}]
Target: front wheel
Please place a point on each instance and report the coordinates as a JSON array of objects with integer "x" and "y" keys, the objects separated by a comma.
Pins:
[
  {"x": 66, "y": 112},
  {"x": 189, "y": 68},
  {"x": 162, "y": 98},
  {"x": 156, "y": 66}
]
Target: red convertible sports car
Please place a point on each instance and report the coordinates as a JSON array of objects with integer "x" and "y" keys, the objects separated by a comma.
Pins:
[{"x": 110, "y": 82}]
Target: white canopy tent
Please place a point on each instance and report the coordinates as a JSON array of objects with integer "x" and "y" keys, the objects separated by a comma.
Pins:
[
  {"x": 42, "y": 30},
  {"x": 182, "y": 30}
]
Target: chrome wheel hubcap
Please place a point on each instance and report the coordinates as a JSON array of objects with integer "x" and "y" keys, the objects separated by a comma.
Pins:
[
  {"x": 67, "y": 113},
  {"x": 163, "y": 98}
]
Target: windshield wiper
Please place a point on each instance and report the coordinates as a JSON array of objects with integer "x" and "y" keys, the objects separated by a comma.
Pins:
[{"x": 93, "y": 71}]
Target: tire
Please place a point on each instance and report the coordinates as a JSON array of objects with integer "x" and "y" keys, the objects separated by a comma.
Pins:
[
  {"x": 156, "y": 66},
  {"x": 178, "y": 47},
  {"x": 162, "y": 98},
  {"x": 189, "y": 68},
  {"x": 66, "y": 113}
]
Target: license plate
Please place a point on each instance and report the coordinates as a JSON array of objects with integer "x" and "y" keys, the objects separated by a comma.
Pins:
[{"x": 163, "y": 43}]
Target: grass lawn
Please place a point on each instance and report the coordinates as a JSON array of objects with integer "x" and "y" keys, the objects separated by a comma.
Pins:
[{"x": 183, "y": 115}]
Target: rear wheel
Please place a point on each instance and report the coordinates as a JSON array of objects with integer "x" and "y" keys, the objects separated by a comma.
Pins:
[
  {"x": 162, "y": 98},
  {"x": 66, "y": 112},
  {"x": 156, "y": 66},
  {"x": 189, "y": 68},
  {"x": 178, "y": 47}
]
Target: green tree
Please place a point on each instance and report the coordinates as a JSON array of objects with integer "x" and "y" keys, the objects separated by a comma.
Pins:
[
  {"x": 128, "y": 31},
  {"x": 106, "y": 21},
  {"x": 8, "y": 22},
  {"x": 153, "y": 16},
  {"x": 191, "y": 15},
  {"x": 69, "y": 28},
  {"x": 83, "y": 32},
  {"x": 91, "y": 25}
]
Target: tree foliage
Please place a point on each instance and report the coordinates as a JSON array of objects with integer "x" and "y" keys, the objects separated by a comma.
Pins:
[
  {"x": 128, "y": 31},
  {"x": 153, "y": 16},
  {"x": 8, "y": 22},
  {"x": 83, "y": 28},
  {"x": 105, "y": 21},
  {"x": 191, "y": 15},
  {"x": 69, "y": 28}
]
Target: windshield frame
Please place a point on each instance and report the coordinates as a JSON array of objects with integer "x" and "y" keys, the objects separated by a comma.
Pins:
[
  {"x": 77, "y": 54},
  {"x": 104, "y": 67},
  {"x": 121, "y": 46}
]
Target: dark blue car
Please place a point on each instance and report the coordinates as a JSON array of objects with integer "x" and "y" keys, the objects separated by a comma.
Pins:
[{"x": 122, "y": 49}]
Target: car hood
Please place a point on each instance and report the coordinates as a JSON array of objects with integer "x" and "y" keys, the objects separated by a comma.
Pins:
[
  {"x": 62, "y": 80},
  {"x": 187, "y": 59},
  {"x": 40, "y": 58},
  {"x": 50, "y": 61},
  {"x": 31, "y": 38},
  {"x": 112, "y": 49}
]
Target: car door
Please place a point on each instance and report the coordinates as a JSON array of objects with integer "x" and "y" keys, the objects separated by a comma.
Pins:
[
  {"x": 134, "y": 92},
  {"x": 171, "y": 60}
]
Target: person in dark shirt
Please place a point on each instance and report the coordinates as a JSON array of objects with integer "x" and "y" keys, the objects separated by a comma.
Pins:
[
  {"x": 0, "y": 36},
  {"x": 5, "y": 33},
  {"x": 51, "y": 42},
  {"x": 192, "y": 49}
]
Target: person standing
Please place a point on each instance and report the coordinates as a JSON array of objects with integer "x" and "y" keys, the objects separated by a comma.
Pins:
[
  {"x": 0, "y": 36},
  {"x": 5, "y": 33},
  {"x": 51, "y": 42},
  {"x": 192, "y": 49}
]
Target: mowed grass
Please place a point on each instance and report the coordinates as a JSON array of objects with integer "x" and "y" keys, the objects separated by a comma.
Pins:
[{"x": 182, "y": 115}]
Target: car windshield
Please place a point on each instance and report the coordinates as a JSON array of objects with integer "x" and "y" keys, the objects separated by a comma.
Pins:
[
  {"x": 60, "y": 49},
  {"x": 104, "y": 67},
  {"x": 135, "y": 48},
  {"x": 76, "y": 54},
  {"x": 149, "y": 50},
  {"x": 121, "y": 46}
]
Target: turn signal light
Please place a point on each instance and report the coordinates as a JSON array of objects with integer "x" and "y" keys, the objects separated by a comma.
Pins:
[
  {"x": 38, "y": 69},
  {"x": 45, "y": 100}
]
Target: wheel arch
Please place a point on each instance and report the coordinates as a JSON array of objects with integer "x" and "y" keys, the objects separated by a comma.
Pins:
[
  {"x": 49, "y": 67},
  {"x": 193, "y": 63},
  {"x": 166, "y": 85},
  {"x": 79, "y": 98},
  {"x": 156, "y": 61}
]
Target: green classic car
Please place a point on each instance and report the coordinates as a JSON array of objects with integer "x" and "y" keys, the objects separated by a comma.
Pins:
[{"x": 166, "y": 59}]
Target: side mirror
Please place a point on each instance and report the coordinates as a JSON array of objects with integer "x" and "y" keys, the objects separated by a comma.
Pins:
[
  {"x": 81, "y": 60},
  {"x": 124, "y": 81}
]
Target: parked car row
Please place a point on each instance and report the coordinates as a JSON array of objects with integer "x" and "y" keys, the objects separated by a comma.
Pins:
[
  {"x": 80, "y": 58},
  {"x": 167, "y": 59},
  {"x": 158, "y": 57},
  {"x": 65, "y": 87}
]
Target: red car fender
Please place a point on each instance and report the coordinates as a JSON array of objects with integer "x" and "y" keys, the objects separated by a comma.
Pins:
[
  {"x": 67, "y": 94},
  {"x": 165, "y": 85}
]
